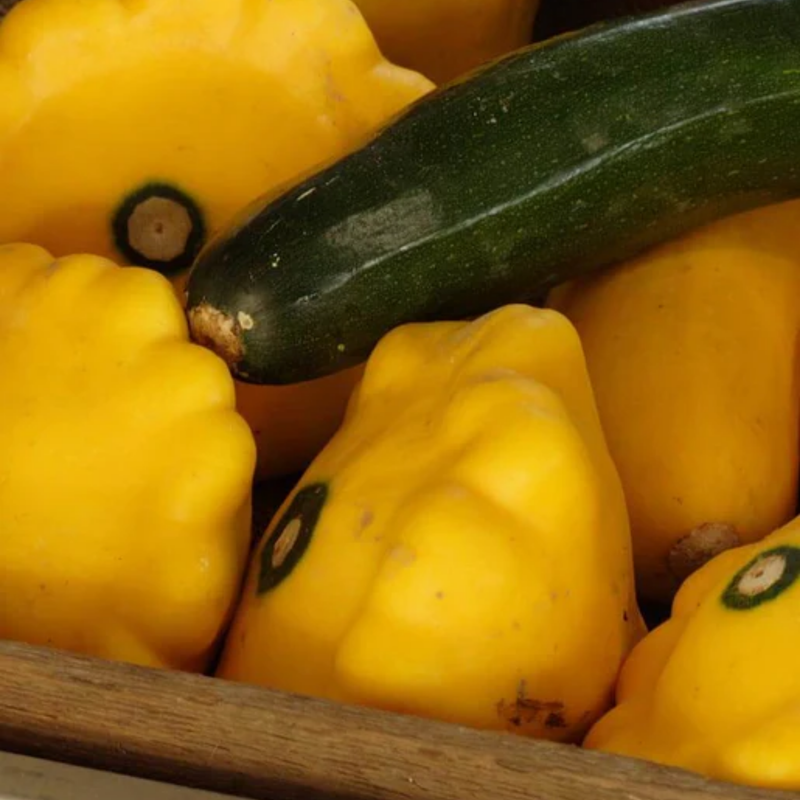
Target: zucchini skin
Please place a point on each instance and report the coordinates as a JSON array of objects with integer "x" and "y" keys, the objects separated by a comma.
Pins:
[{"x": 554, "y": 161}]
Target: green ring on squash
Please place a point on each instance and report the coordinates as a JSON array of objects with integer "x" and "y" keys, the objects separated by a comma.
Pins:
[
  {"x": 291, "y": 537},
  {"x": 160, "y": 227},
  {"x": 763, "y": 578}
]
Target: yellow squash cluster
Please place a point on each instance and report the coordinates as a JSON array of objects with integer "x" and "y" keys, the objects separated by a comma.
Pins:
[
  {"x": 482, "y": 500},
  {"x": 129, "y": 133}
]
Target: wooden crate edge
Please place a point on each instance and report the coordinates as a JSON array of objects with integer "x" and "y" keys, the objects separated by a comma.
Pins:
[
  {"x": 27, "y": 778},
  {"x": 211, "y": 734}
]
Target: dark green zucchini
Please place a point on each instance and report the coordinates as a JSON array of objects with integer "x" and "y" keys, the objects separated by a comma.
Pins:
[{"x": 556, "y": 160}]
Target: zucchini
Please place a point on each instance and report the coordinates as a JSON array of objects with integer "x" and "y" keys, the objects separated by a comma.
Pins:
[{"x": 558, "y": 159}]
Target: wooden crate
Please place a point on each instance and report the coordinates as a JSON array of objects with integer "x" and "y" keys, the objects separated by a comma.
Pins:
[{"x": 203, "y": 732}]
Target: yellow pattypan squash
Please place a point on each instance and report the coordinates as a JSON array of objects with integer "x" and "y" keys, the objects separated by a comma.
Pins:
[
  {"x": 692, "y": 351},
  {"x": 716, "y": 688},
  {"x": 125, "y": 470},
  {"x": 460, "y": 548},
  {"x": 133, "y": 130},
  {"x": 444, "y": 39}
]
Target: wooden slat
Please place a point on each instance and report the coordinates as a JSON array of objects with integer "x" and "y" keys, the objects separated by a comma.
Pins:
[
  {"x": 228, "y": 737},
  {"x": 26, "y": 778}
]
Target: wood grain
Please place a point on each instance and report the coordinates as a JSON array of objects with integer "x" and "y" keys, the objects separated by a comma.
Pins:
[
  {"x": 208, "y": 733},
  {"x": 26, "y": 778}
]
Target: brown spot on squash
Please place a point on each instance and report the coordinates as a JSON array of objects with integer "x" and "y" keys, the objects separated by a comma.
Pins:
[
  {"x": 403, "y": 554},
  {"x": 555, "y": 719},
  {"x": 365, "y": 520},
  {"x": 525, "y": 711},
  {"x": 699, "y": 546}
]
